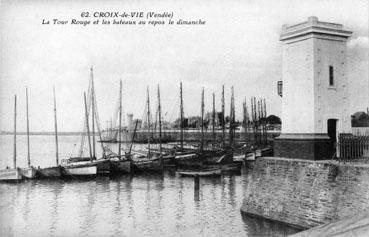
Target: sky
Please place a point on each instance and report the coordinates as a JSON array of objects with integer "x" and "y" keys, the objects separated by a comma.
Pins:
[{"x": 238, "y": 46}]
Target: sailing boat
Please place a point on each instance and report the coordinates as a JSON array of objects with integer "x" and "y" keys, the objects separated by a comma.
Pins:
[
  {"x": 222, "y": 155},
  {"x": 14, "y": 174},
  {"x": 81, "y": 166},
  {"x": 119, "y": 163},
  {"x": 30, "y": 171},
  {"x": 55, "y": 171},
  {"x": 185, "y": 158},
  {"x": 151, "y": 161},
  {"x": 89, "y": 164},
  {"x": 202, "y": 154}
]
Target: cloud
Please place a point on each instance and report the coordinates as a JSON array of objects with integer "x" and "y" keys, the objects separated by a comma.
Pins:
[{"x": 361, "y": 41}]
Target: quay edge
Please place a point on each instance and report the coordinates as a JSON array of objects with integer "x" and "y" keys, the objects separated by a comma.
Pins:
[{"x": 306, "y": 193}]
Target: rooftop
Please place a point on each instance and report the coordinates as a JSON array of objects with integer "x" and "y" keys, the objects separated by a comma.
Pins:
[{"x": 313, "y": 25}]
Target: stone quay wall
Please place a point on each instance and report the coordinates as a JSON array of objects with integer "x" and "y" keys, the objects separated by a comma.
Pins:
[{"x": 305, "y": 193}]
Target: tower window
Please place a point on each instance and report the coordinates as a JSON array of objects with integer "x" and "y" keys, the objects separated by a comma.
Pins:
[{"x": 331, "y": 76}]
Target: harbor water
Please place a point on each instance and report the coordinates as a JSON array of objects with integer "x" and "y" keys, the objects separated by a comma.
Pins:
[{"x": 138, "y": 205}]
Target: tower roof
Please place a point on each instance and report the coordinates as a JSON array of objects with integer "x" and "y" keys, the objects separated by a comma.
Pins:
[{"x": 314, "y": 26}]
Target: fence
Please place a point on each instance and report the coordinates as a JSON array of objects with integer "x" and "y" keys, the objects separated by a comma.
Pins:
[{"x": 353, "y": 147}]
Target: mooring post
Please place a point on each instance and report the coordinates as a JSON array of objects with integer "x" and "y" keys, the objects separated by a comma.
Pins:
[
  {"x": 197, "y": 188},
  {"x": 197, "y": 182}
]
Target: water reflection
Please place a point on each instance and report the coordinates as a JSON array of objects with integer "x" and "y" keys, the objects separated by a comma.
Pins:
[
  {"x": 256, "y": 226},
  {"x": 145, "y": 205},
  {"x": 232, "y": 190},
  {"x": 55, "y": 205},
  {"x": 87, "y": 217}
]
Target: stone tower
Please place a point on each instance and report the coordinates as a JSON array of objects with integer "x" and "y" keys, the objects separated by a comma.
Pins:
[{"x": 315, "y": 94}]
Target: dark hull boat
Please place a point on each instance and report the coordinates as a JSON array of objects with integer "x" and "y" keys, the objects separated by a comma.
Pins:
[
  {"x": 188, "y": 159},
  {"x": 152, "y": 164},
  {"x": 147, "y": 165},
  {"x": 119, "y": 166},
  {"x": 50, "y": 172},
  {"x": 206, "y": 157},
  {"x": 201, "y": 172}
]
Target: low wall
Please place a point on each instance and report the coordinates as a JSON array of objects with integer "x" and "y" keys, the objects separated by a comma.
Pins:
[{"x": 306, "y": 193}]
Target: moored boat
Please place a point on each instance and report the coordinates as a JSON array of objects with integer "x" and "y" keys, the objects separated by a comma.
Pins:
[
  {"x": 28, "y": 173},
  {"x": 189, "y": 159},
  {"x": 50, "y": 172},
  {"x": 102, "y": 165},
  {"x": 201, "y": 172},
  {"x": 10, "y": 174},
  {"x": 82, "y": 165},
  {"x": 118, "y": 166},
  {"x": 80, "y": 170},
  {"x": 233, "y": 167},
  {"x": 55, "y": 171},
  {"x": 147, "y": 164},
  {"x": 15, "y": 173}
]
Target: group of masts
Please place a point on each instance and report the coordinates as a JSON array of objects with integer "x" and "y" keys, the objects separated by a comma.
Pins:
[
  {"x": 29, "y": 171},
  {"x": 258, "y": 114},
  {"x": 258, "y": 121}
]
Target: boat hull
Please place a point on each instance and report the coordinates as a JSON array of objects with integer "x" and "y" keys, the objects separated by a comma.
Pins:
[
  {"x": 169, "y": 160},
  {"x": 103, "y": 166},
  {"x": 201, "y": 173},
  {"x": 50, "y": 172},
  {"x": 77, "y": 170},
  {"x": 28, "y": 173},
  {"x": 188, "y": 160},
  {"x": 147, "y": 165},
  {"x": 120, "y": 166},
  {"x": 234, "y": 167},
  {"x": 10, "y": 175}
]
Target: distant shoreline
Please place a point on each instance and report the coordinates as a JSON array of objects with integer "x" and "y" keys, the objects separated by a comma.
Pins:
[{"x": 45, "y": 133}]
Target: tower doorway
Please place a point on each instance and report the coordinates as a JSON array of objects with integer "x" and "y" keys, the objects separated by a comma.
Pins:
[{"x": 332, "y": 129}]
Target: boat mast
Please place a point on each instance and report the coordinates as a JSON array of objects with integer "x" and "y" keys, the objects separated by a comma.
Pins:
[
  {"x": 15, "y": 133},
  {"x": 202, "y": 119},
  {"x": 28, "y": 152},
  {"x": 213, "y": 118},
  {"x": 56, "y": 131},
  {"x": 231, "y": 119},
  {"x": 223, "y": 111},
  {"x": 93, "y": 114},
  {"x": 259, "y": 122},
  {"x": 159, "y": 111},
  {"x": 265, "y": 123},
  {"x": 120, "y": 119},
  {"x": 245, "y": 119},
  {"x": 181, "y": 115},
  {"x": 88, "y": 127},
  {"x": 148, "y": 120}
]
